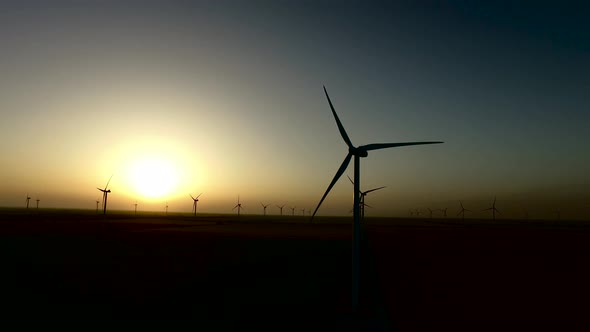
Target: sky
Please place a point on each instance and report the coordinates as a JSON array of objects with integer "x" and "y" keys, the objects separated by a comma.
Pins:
[{"x": 226, "y": 98}]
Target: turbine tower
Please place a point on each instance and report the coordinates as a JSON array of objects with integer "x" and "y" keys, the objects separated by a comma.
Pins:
[
  {"x": 357, "y": 153},
  {"x": 37, "y": 203},
  {"x": 28, "y": 199},
  {"x": 239, "y": 206},
  {"x": 292, "y": 211},
  {"x": 105, "y": 194},
  {"x": 281, "y": 207},
  {"x": 135, "y": 207},
  {"x": 264, "y": 207},
  {"x": 494, "y": 210},
  {"x": 195, "y": 200},
  {"x": 462, "y": 211}
]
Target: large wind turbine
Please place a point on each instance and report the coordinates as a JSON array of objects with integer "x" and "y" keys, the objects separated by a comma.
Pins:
[
  {"x": 358, "y": 152},
  {"x": 195, "y": 200},
  {"x": 494, "y": 210},
  {"x": 239, "y": 206},
  {"x": 105, "y": 193},
  {"x": 462, "y": 211},
  {"x": 264, "y": 207}
]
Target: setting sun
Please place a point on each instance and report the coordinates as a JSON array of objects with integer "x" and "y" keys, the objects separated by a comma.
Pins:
[{"x": 153, "y": 178}]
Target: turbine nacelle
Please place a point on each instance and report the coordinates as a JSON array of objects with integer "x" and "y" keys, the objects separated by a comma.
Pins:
[{"x": 358, "y": 151}]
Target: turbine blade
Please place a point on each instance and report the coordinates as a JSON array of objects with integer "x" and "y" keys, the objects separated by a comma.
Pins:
[
  {"x": 341, "y": 170},
  {"x": 235, "y": 207},
  {"x": 487, "y": 209},
  {"x": 367, "y": 205},
  {"x": 109, "y": 181},
  {"x": 350, "y": 179},
  {"x": 368, "y": 191},
  {"x": 377, "y": 146},
  {"x": 191, "y": 196},
  {"x": 199, "y": 195},
  {"x": 340, "y": 127},
  {"x": 498, "y": 211}
]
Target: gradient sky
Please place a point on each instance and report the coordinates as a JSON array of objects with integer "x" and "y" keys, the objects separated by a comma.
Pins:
[{"x": 225, "y": 98}]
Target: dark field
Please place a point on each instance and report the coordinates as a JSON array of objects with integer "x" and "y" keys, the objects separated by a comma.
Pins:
[{"x": 76, "y": 269}]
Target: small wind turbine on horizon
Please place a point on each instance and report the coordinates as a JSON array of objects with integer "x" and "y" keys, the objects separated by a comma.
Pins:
[
  {"x": 166, "y": 208},
  {"x": 462, "y": 211},
  {"x": 362, "y": 198},
  {"x": 135, "y": 207},
  {"x": 264, "y": 207},
  {"x": 357, "y": 153},
  {"x": 292, "y": 210},
  {"x": 37, "y": 203},
  {"x": 281, "y": 208},
  {"x": 239, "y": 206},
  {"x": 494, "y": 210},
  {"x": 28, "y": 199},
  {"x": 195, "y": 201},
  {"x": 105, "y": 193},
  {"x": 444, "y": 211},
  {"x": 97, "y": 201}
]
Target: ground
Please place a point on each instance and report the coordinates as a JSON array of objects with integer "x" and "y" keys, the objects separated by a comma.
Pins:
[{"x": 78, "y": 269}]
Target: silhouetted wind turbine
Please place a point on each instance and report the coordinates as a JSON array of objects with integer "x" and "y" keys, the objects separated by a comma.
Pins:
[
  {"x": 166, "y": 208},
  {"x": 195, "y": 200},
  {"x": 281, "y": 207},
  {"x": 362, "y": 198},
  {"x": 38, "y": 203},
  {"x": 303, "y": 212},
  {"x": 292, "y": 211},
  {"x": 264, "y": 206},
  {"x": 239, "y": 206},
  {"x": 28, "y": 199},
  {"x": 105, "y": 193},
  {"x": 463, "y": 210},
  {"x": 97, "y": 201},
  {"x": 444, "y": 211},
  {"x": 135, "y": 207},
  {"x": 429, "y": 212},
  {"x": 357, "y": 153},
  {"x": 493, "y": 208}
]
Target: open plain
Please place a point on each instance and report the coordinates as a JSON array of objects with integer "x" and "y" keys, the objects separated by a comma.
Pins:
[{"x": 76, "y": 268}]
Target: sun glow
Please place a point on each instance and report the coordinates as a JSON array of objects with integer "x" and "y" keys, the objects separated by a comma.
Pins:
[{"x": 153, "y": 178}]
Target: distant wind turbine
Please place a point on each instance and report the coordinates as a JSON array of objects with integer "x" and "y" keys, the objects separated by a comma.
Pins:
[
  {"x": 444, "y": 211},
  {"x": 195, "y": 201},
  {"x": 462, "y": 211},
  {"x": 430, "y": 212},
  {"x": 357, "y": 153},
  {"x": 303, "y": 212},
  {"x": 166, "y": 208},
  {"x": 362, "y": 197},
  {"x": 281, "y": 207},
  {"x": 264, "y": 207},
  {"x": 494, "y": 210},
  {"x": 135, "y": 207},
  {"x": 97, "y": 201},
  {"x": 105, "y": 193},
  {"x": 28, "y": 199},
  {"x": 38, "y": 203},
  {"x": 239, "y": 206},
  {"x": 292, "y": 211}
]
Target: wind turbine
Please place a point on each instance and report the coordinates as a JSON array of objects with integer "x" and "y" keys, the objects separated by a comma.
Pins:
[
  {"x": 494, "y": 210},
  {"x": 38, "y": 203},
  {"x": 105, "y": 193},
  {"x": 462, "y": 211},
  {"x": 135, "y": 207},
  {"x": 166, "y": 208},
  {"x": 356, "y": 152},
  {"x": 239, "y": 206},
  {"x": 444, "y": 211},
  {"x": 281, "y": 207},
  {"x": 97, "y": 201},
  {"x": 264, "y": 206},
  {"x": 303, "y": 212},
  {"x": 28, "y": 199},
  {"x": 292, "y": 211},
  {"x": 429, "y": 212},
  {"x": 195, "y": 200},
  {"x": 362, "y": 198}
]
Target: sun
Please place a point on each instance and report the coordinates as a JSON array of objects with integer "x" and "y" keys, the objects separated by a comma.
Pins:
[{"x": 153, "y": 178}]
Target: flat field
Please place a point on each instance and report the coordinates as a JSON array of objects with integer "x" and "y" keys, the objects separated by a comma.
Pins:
[{"x": 78, "y": 269}]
